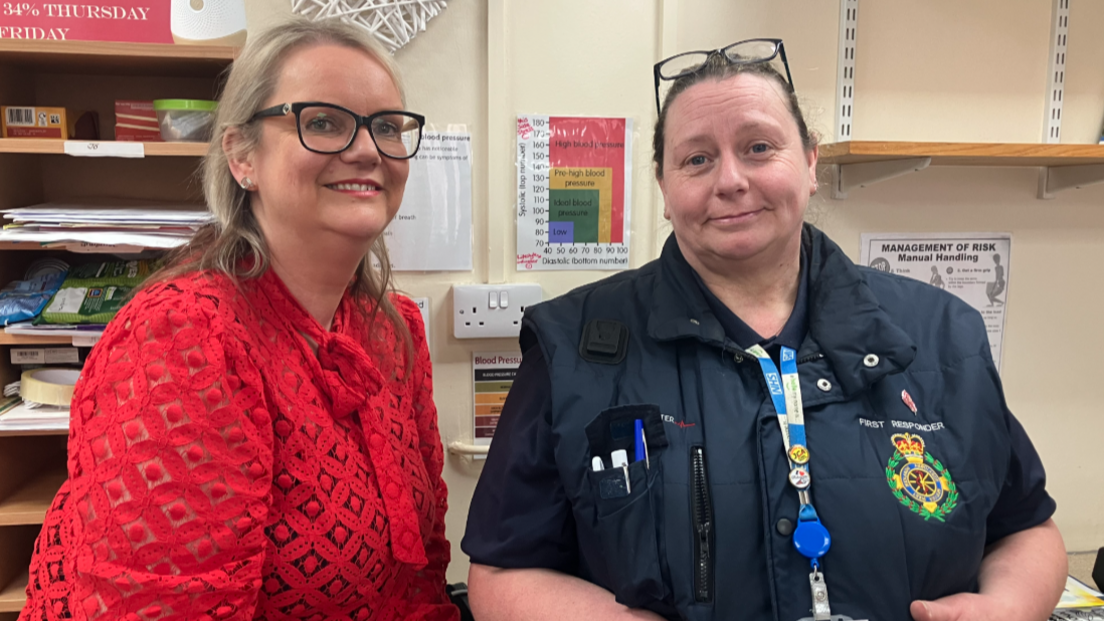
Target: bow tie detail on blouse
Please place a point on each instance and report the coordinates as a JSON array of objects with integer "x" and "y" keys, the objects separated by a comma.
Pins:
[{"x": 353, "y": 384}]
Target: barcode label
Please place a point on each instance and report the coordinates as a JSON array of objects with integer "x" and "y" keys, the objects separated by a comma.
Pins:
[
  {"x": 28, "y": 356},
  {"x": 21, "y": 117}
]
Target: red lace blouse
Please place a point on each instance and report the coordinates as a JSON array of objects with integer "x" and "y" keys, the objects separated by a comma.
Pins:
[{"x": 219, "y": 468}]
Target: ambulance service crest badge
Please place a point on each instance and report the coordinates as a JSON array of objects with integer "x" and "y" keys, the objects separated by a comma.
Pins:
[{"x": 919, "y": 481}]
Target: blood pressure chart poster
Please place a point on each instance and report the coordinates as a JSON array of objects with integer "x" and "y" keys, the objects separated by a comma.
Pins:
[
  {"x": 574, "y": 181},
  {"x": 973, "y": 266}
]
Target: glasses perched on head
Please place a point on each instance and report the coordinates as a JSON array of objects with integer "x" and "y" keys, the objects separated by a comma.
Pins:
[
  {"x": 326, "y": 128},
  {"x": 746, "y": 52}
]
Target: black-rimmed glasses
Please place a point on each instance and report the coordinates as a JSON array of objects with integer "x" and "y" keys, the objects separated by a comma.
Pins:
[
  {"x": 326, "y": 128},
  {"x": 745, "y": 52}
]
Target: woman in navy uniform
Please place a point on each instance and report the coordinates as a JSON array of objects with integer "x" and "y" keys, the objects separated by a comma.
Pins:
[{"x": 801, "y": 437}]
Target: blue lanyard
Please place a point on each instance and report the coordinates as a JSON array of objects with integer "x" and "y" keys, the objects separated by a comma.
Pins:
[{"x": 810, "y": 537}]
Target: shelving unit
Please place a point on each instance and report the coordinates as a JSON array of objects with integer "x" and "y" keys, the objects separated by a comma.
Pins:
[
  {"x": 14, "y": 595},
  {"x": 106, "y": 57},
  {"x": 23, "y": 339},
  {"x": 863, "y": 163},
  {"x": 57, "y": 147},
  {"x": 28, "y": 504},
  {"x": 78, "y": 76}
]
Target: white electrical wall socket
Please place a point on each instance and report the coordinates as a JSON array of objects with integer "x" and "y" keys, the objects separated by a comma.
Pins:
[{"x": 491, "y": 311}]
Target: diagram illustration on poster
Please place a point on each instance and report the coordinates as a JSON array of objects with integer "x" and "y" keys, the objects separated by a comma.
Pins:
[{"x": 574, "y": 180}]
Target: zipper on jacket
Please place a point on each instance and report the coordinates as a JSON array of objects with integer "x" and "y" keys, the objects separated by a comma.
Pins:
[{"x": 702, "y": 508}]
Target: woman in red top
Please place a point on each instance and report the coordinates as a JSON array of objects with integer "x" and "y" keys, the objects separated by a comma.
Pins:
[{"x": 255, "y": 436}]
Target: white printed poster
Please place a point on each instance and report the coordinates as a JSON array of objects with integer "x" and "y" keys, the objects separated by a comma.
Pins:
[
  {"x": 433, "y": 228},
  {"x": 574, "y": 184},
  {"x": 973, "y": 266},
  {"x": 493, "y": 375}
]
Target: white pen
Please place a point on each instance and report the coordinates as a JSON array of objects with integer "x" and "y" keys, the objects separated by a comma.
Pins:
[
  {"x": 596, "y": 464},
  {"x": 620, "y": 459}
]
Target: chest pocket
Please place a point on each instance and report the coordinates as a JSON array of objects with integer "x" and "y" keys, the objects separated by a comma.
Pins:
[{"x": 628, "y": 506}]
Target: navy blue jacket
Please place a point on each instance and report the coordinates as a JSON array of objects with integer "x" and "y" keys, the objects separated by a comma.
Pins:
[{"x": 911, "y": 498}]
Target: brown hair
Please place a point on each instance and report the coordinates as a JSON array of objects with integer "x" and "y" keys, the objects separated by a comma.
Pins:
[
  {"x": 235, "y": 237},
  {"x": 717, "y": 68}
]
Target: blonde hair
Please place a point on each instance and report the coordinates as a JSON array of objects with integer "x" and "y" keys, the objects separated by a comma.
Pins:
[{"x": 235, "y": 237}]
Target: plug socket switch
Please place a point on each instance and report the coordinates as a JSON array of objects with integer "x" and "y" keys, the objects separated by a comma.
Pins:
[{"x": 491, "y": 311}]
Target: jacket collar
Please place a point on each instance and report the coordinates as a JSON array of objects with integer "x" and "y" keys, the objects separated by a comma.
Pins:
[{"x": 846, "y": 323}]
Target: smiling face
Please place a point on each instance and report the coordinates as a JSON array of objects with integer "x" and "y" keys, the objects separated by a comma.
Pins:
[
  {"x": 318, "y": 198},
  {"x": 736, "y": 178}
]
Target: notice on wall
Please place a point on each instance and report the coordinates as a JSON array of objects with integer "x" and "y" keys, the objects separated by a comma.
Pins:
[
  {"x": 494, "y": 374},
  {"x": 132, "y": 21},
  {"x": 574, "y": 178},
  {"x": 973, "y": 266},
  {"x": 423, "y": 307},
  {"x": 433, "y": 229}
]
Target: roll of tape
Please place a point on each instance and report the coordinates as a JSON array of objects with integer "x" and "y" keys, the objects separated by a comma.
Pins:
[{"x": 48, "y": 386}]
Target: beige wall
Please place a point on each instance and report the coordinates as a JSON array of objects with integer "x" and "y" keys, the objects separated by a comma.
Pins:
[{"x": 936, "y": 70}]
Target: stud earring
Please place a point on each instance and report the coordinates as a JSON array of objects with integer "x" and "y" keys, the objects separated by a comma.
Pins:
[{"x": 247, "y": 184}]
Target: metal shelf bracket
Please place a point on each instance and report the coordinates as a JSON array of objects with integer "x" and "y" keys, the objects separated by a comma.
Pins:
[
  {"x": 851, "y": 176},
  {"x": 1054, "y": 179}
]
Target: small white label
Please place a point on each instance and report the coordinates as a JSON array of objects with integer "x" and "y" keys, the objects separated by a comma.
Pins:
[
  {"x": 62, "y": 355},
  {"x": 28, "y": 356},
  {"x": 97, "y": 148},
  {"x": 87, "y": 341},
  {"x": 68, "y": 300}
]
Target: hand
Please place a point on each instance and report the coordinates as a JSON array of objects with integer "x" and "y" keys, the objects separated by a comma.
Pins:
[{"x": 962, "y": 607}]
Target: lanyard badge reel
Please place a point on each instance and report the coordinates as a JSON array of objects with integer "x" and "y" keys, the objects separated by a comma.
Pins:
[{"x": 810, "y": 537}]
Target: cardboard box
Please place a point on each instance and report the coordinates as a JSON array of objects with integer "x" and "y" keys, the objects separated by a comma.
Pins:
[
  {"x": 44, "y": 122},
  {"x": 34, "y": 122},
  {"x": 135, "y": 121}
]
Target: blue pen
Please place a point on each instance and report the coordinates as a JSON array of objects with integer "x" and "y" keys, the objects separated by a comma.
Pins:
[{"x": 641, "y": 443}]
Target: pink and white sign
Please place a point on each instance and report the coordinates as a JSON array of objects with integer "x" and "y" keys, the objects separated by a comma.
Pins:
[{"x": 131, "y": 21}]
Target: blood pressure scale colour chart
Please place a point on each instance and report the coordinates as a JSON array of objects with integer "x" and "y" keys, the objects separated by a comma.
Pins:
[{"x": 574, "y": 183}]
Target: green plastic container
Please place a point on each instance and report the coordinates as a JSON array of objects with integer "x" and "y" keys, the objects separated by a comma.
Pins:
[{"x": 185, "y": 120}]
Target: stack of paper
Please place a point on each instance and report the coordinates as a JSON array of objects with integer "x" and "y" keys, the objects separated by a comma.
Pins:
[
  {"x": 85, "y": 335},
  {"x": 15, "y": 415},
  {"x": 101, "y": 222},
  {"x": 1079, "y": 602}
]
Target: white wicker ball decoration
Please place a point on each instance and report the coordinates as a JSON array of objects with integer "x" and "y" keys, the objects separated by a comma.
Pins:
[{"x": 394, "y": 22}]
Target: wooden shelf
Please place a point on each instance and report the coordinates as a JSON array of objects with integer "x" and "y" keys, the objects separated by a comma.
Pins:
[
  {"x": 103, "y": 57},
  {"x": 46, "y": 146},
  {"x": 14, "y": 596},
  {"x": 27, "y": 339},
  {"x": 81, "y": 247},
  {"x": 963, "y": 153},
  {"x": 28, "y": 504},
  {"x": 859, "y": 164}
]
